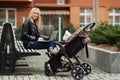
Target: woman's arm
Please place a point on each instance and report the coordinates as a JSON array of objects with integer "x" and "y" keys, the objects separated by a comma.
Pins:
[{"x": 25, "y": 31}]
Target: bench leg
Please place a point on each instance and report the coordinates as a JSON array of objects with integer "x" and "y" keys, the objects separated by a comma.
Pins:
[
  {"x": 3, "y": 62},
  {"x": 12, "y": 63}
]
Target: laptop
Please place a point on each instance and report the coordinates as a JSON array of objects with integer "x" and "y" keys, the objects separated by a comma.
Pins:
[{"x": 53, "y": 35}]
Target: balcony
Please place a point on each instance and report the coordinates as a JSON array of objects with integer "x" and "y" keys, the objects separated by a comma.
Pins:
[
  {"x": 15, "y": 0},
  {"x": 52, "y": 1}
]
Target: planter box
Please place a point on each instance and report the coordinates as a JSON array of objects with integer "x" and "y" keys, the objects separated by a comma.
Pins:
[{"x": 109, "y": 61}]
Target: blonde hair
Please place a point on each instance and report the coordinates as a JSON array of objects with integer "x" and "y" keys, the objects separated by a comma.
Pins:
[{"x": 38, "y": 20}]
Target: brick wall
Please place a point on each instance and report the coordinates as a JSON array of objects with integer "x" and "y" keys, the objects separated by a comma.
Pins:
[{"x": 22, "y": 12}]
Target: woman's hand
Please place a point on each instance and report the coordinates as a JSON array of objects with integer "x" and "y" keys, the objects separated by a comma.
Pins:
[{"x": 41, "y": 39}]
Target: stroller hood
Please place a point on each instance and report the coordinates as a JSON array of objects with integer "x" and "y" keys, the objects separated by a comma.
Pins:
[{"x": 84, "y": 34}]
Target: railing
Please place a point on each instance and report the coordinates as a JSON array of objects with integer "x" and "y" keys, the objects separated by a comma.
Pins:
[
  {"x": 15, "y": 0},
  {"x": 52, "y": 1}
]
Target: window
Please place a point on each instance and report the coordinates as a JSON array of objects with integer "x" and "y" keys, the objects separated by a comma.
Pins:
[
  {"x": 114, "y": 16},
  {"x": 85, "y": 16},
  {"x": 49, "y": 23},
  {"x": 60, "y": 1},
  {"x": 7, "y": 15}
]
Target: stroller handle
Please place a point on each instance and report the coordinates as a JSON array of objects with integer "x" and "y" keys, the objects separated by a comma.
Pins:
[{"x": 89, "y": 26}]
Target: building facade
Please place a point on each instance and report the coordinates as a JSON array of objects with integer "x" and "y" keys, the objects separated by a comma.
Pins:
[{"x": 57, "y": 13}]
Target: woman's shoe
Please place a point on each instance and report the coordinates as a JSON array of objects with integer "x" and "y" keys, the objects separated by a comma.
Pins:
[{"x": 53, "y": 51}]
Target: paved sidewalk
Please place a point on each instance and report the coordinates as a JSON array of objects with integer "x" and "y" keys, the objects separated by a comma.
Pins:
[{"x": 35, "y": 71}]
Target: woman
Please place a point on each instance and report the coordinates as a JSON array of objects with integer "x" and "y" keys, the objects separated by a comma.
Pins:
[
  {"x": 31, "y": 37},
  {"x": 33, "y": 40}
]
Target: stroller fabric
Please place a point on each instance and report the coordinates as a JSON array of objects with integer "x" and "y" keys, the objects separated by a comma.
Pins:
[
  {"x": 74, "y": 46},
  {"x": 81, "y": 33},
  {"x": 77, "y": 41}
]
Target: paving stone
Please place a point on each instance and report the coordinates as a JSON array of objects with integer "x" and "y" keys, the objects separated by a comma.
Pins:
[
  {"x": 44, "y": 77},
  {"x": 5, "y": 77},
  {"x": 11, "y": 77},
  {"x": 19, "y": 78},
  {"x": 36, "y": 68},
  {"x": 0, "y": 77},
  {"x": 38, "y": 77},
  {"x": 26, "y": 77},
  {"x": 51, "y": 78}
]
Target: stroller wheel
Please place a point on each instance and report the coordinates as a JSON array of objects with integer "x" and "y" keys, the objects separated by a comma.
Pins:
[
  {"x": 49, "y": 72},
  {"x": 77, "y": 72},
  {"x": 87, "y": 68}
]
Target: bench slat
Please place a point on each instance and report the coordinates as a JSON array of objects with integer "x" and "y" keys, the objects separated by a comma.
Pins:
[{"x": 20, "y": 48}]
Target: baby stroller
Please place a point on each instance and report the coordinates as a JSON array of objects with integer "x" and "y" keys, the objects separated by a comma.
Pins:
[{"x": 69, "y": 50}]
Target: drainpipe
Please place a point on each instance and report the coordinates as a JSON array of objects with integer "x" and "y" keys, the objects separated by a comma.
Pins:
[
  {"x": 93, "y": 12},
  {"x": 59, "y": 27},
  {"x": 97, "y": 11}
]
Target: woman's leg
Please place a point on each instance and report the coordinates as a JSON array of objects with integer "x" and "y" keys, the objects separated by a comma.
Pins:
[
  {"x": 39, "y": 45},
  {"x": 52, "y": 44},
  {"x": 53, "y": 48}
]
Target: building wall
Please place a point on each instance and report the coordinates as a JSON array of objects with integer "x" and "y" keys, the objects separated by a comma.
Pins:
[
  {"x": 46, "y": 1},
  {"x": 75, "y": 16},
  {"x": 103, "y": 14},
  {"x": 110, "y": 3},
  {"x": 21, "y": 14},
  {"x": 22, "y": 9},
  {"x": 72, "y": 5},
  {"x": 16, "y": 4},
  {"x": 81, "y": 3},
  {"x": 103, "y": 9},
  {"x": 75, "y": 10}
]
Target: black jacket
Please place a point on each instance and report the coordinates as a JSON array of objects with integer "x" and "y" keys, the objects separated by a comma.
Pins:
[{"x": 29, "y": 32}]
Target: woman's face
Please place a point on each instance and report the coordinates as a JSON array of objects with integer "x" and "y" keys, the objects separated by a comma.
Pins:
[{"x": 35, "y": 15}]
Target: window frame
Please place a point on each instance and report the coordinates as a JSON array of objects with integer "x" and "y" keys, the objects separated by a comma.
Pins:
[
  {"x": 113, "y": 14},
  {"x": 6, "y": 14},
  {"x": 59, "y": 2},
  {"x": 85, "y": 14}
]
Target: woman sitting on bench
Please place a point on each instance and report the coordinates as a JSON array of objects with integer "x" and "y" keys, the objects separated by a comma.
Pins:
[{"x": 30, "y": 35}]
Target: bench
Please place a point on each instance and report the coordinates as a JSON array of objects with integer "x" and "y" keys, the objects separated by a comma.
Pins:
[
  {"x": 16, "y": 49},
  {"x": 3, "y": 46}
]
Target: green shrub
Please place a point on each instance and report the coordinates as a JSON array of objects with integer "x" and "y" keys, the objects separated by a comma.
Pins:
[
  {"x": 7, "y": 38},
  {"x": 18, "y": 32},
  {"x": 106, "y": 34},
  {"x": 118, "y": 44}
]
